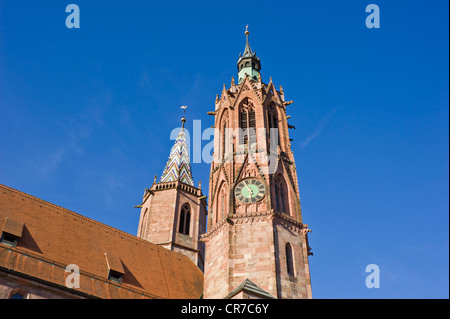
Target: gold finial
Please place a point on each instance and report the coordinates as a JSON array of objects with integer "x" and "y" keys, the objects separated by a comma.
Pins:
[{"x": 246, "y": 30}]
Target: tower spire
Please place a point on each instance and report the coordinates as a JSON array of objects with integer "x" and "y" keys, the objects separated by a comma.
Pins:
[
  {"x": 178, "y": 166},
  {"x": 248, "y": 63},
  {"x": 248, "y": 49}
]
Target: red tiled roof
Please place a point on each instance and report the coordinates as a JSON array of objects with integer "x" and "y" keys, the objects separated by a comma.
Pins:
[{"x": 54, "y": 237}]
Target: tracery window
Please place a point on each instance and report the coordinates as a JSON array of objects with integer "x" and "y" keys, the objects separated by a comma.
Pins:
[
  {"x": 247, "y": 122},
  {"x": 185, "y": 220},
  {"x": 280, "y": 196},
  {"x": 272, "y": 119},
  {"x": 224, "y": 133},
  {"x": 221, "y": 202}
]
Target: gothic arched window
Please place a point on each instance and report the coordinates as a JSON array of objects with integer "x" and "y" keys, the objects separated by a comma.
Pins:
[
  {"x": 247, "y": 122},
  {"x": 224, "y": 139},
  {"x": 289, "y": 260},
  {"x": 272, "y": 120},
  {"x": 221, "y": 202},
  {"x": 224, "y": 134},
  {"x": 185, "y": 220},
  {"x": 280, "y": 196},
  {"x": 18, "y": 293},
  {"x": 222, "y": 205}
]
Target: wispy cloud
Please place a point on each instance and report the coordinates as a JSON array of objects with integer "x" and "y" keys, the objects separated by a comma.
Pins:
[
  {"x": 144, "y": 81},
  {"x": 53, "y": 160},
  {"x": 70, "y": 146},
  {"x": 320, "y": 127},
  {"x": 74, "y": 131}
]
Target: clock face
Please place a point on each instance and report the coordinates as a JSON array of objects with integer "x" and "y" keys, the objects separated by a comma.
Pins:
[{"x": 249, "y": 191}]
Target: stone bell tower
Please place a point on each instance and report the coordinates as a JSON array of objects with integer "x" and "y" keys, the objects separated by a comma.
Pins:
[
  {"x": 173, "y": 210},
  {"x": 256, "y": 235}
]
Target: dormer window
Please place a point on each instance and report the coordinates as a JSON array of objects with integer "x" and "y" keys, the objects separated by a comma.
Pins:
[
  {"x": 8, "y": 239},
  {"x": 115, "y": 276},
  {"x": 11, "y": 231},
  {"x": 115, "y": 268}
]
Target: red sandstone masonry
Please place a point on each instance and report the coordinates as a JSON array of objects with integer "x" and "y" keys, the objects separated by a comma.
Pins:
[
  {"x": 160, "y": 217},
  {"x": 251, "y": 241}
]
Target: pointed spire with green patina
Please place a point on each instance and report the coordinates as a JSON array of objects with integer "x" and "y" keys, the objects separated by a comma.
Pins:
[
  {"x": 248, "y": 63},
  {"x": 178, "y": 167}
]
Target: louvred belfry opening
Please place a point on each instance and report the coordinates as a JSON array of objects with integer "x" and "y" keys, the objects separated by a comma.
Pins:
[{"x": 247, "y": 122}]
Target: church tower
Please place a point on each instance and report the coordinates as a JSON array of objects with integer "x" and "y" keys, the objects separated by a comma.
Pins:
[
  {"x": 256, "y": 237},
  {"x": 173, "y": 210}
]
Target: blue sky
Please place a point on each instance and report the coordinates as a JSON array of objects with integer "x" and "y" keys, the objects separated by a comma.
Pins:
[{"x": 86, "y": 116}]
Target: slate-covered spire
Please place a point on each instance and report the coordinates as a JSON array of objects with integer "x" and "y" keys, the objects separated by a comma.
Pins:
[
  {"x": 248, "y": 63},
  {"x": 248, "y": 50},
  {"x": 178, "y": 167}
]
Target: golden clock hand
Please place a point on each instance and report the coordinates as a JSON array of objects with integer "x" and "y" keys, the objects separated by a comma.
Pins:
[{"x": 251, "y": 192}]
